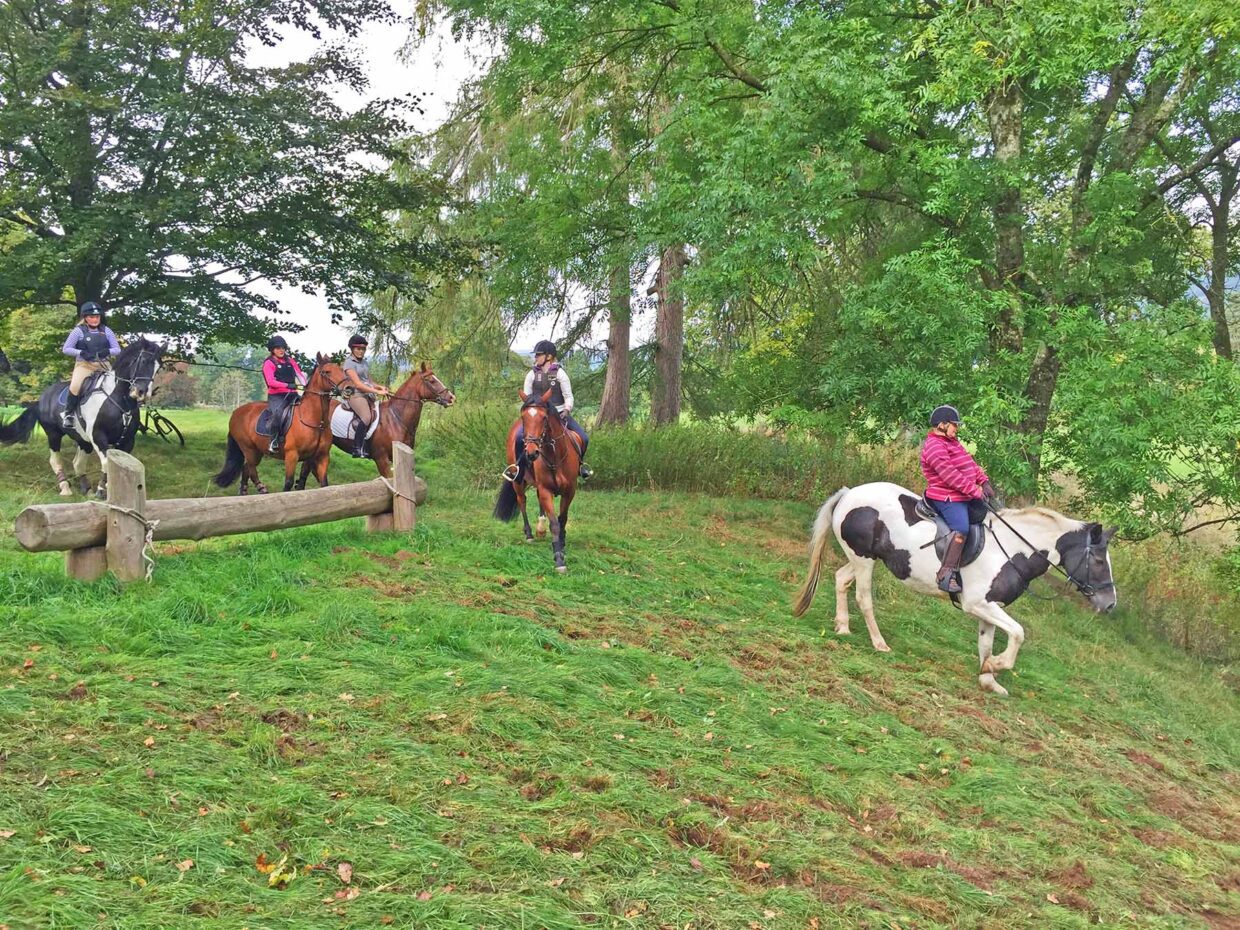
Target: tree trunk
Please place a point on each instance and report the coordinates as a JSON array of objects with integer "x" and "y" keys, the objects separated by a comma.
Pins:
[
  {"x": 617, "y": 386},
  {"x": 1220, "y": 240},
  {"x": 669, "y": 336},
  {"x": 1005, "y": 112},
  {"x": 1040, "y": 391}
]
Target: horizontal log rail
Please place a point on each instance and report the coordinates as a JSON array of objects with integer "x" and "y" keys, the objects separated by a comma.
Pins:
[{"x": 113, "y": 536}]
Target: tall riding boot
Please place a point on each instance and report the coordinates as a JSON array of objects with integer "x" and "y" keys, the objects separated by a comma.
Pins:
[
  {"x": 71, "y": 405},
  {"x": 359, "y": 440},
  {"x": 949, "y": 572}
]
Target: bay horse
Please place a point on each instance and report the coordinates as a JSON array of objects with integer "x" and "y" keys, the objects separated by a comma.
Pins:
[
  {"x": 107, "y": 416},
  {"x": 879, "y": 522},
  {"x": 399, "y": 416},
  {"x": 553, "y": 463},
  {"x": 309, "y": 436}
]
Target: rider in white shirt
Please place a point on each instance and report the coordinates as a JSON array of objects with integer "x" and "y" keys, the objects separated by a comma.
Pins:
[{"x": 548, "y": 375}]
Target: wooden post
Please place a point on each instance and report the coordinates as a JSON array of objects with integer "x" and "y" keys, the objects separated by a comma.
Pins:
[
  {"x": 127, "y": 527},
  {"x": 404, "y": 509},
  {"x": 89, "y": 564}
]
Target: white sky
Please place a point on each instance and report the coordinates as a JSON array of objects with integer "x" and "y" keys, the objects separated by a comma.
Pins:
[{"x": 436, "y": 71}]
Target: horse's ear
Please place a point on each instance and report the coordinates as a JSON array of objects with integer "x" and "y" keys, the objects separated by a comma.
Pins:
[
  {"x": 546, "y": 396},
  {"x": 425, "y": 368},
  {"x": 319, "y": 358},
  {"x": 1108, "y": 535},
  {"x": 1095, "y": 534}
]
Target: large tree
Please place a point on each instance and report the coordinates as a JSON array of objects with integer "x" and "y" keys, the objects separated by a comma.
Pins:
[{"x": 150, "y": 164}]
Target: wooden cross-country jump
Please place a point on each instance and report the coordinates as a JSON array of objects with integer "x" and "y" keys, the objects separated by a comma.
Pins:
[{"x": 114, "y": 536}]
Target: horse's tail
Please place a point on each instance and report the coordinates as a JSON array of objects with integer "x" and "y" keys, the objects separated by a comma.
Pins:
[
  {"x": 506, "y": 505},
  {"x": 818, "y": 542},
  {"x": 21, "y": 428},
  {"x": 234, "y": 461}
]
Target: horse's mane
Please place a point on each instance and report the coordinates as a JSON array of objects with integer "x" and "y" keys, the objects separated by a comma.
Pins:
[{"x": 1036, "y": 512}]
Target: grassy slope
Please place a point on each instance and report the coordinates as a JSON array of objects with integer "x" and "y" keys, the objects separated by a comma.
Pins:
[{"x": 647, "y": 742}]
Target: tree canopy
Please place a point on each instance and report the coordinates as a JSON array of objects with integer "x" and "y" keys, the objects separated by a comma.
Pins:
[{"x": 148, "y": 163}]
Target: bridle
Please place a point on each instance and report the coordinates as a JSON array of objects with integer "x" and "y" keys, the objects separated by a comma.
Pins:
[
  {"x": 1086, "y": 587},
  {"x": 333, "y": 390},
  {"x": 545, "y": 442}
]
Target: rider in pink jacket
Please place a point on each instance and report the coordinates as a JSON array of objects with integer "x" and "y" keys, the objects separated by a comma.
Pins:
[{"x": 956, "y": 486}]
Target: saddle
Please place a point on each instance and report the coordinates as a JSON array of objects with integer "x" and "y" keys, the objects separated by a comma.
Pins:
[
  {"x": 345, "y": 422},
  {"x": 264, "y": 426},
  {"x": 974, "y": 543},
  {"x": 92, "y": 385}
]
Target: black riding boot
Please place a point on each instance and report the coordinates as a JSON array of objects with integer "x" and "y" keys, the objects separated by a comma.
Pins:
[
  {"x": 359, "y": 440},
  {"x": 949, "y": 572},
  {"x": 71, "y": 405}
]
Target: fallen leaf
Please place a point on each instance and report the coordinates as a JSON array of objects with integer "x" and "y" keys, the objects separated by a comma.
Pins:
[
  {"x": 387, "y": 919},
  {"x": 346, "y": 697},
  {"x": 149, "y": 773},
  {"x": 138, "y": 880},
  {"x": 813, "y": 924},
  {"x": 556, "y": 882},
  {"x": 345, "y": 871},
  {"x": 29, "y": 663},
  {"x": 424, "y": 895},
  {"x": 696, "y": 864},
  {"x": 185, "y": 865},
  {"x": 1051, "y": 897},
  {"x": 5, "y": 834},
  {"x": 81, "y": 849},
  {"x": 149, "y": 742},
  {"x": 262, "y": 864},
  {"x": 274, "y": 654},
  {"x": 708, "y": 737},
  {"x": 431, "y": 718},
  {"x": 760, "y": 865},
  {"x": 769, "y": 914}
]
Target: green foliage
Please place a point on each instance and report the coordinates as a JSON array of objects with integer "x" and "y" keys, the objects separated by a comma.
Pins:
[{"x": 148, "y": 164}]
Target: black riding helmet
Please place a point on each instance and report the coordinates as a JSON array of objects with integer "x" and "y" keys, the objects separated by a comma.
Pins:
[
  {"x": 357, "y": 339},
  {"x": 88, "y": 308},
  {"x": 276, "y": 342},
  {"x": 545, "y": 347},
  {"x": 945, "y": 414}
]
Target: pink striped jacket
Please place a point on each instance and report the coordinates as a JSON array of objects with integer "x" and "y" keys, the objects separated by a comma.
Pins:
[{"x": 951, "y": 474}]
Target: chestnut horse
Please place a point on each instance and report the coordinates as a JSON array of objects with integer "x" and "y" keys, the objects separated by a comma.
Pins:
[
  {"x": 554, "y": 460},
  {"x": 309, "y": 437},
  {"x": 398, "y": 418}
]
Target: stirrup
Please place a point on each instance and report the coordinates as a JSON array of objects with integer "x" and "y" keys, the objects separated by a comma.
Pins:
[
  {"x": 952, "y": 583},
  {"x": 584, "y": 471},
  {"x": 274, "y": 446},
  {"x": 511, "y": 473}
]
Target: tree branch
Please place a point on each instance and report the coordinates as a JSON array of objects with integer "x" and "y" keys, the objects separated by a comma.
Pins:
[
  {"x": 1190, "y": 172},
  {"x": 731, "y": 64}
]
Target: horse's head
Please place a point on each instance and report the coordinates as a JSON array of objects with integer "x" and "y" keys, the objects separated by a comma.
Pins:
[
  {"x": 534, "y": 423},
  {"x": 137, "y": 366},
  {"x": 327, "y": 378},
  {"x": 1083, "y": 556},
  {"x": 429, "y": 387}
]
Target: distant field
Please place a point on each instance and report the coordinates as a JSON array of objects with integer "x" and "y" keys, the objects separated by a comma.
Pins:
[{"x": 436, "y": 731}]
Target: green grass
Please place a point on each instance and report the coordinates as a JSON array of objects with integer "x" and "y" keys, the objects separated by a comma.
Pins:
[{"x": 649, "y": 741}]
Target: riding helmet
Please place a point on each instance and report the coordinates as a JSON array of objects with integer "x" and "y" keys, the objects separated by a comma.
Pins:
[
  {"x": 357, "y": 339},
  {"x": 276, "y": 342},
  {"x": 88, "y": 308},
  {"x": 545, "y": 347},
  {"x": 945, "y": 414}
]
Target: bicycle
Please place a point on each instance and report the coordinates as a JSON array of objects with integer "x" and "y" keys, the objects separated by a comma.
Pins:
[{"x": 164, "y": 428}]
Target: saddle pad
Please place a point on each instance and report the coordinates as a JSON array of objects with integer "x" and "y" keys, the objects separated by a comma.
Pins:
[
  {"x": 89, "y": 386},
  {"x": 342, "y": 422},
  {"x": 263, "y": 426}
]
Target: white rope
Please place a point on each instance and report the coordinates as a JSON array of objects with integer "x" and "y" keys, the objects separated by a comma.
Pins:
[
  {"x": 396, "y": 493},
  {"x": 150, "y": 536}
]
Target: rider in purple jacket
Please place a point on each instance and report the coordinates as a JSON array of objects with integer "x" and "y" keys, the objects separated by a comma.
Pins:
[{"x": 91, "y": 345}]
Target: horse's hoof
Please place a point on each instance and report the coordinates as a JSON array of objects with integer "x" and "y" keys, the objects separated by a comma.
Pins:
[
  {"x": 988, "y": 683},
  {"x": 881, "y": 647},
  {"x": 562, "y": 569},
  {"x": 66, "y": 491}
]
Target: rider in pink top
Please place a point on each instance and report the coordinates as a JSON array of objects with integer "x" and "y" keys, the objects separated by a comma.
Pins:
[{"x": 956, "y": 487}]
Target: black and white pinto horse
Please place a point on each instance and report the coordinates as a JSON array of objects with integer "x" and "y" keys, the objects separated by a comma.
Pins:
[
  {"x": 879, "y": 522},
  {"x": 107, "y": 416}
]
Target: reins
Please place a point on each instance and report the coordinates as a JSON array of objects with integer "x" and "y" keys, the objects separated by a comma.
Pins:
[{"x": 1084, "y": 587}]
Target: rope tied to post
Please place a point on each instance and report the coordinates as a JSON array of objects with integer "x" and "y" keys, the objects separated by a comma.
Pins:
[
  {"x": 395, "y": 493},
  {"x": 148, "y": 543}
]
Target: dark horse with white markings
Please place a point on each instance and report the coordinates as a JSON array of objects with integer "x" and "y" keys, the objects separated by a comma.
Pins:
[
  {"x": 107, "y": 416},
  {"x": 552, "y": 464},
  {"x": 880, "y": 522}
]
